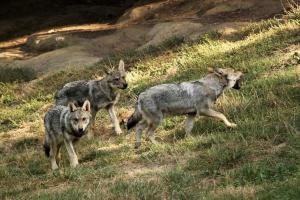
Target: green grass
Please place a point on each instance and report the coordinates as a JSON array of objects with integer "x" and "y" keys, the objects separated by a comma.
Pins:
[{"x": 259, "y": 159}]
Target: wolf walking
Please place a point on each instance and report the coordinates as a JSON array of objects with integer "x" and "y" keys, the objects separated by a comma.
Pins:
[
  {"x": 65, "y": 124},
  {"x": 101, "y": 94},
  {"x": 187, "y": 98}
]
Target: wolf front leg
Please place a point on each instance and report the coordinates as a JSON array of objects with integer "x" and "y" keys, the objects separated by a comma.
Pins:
[
  {"x": 57, "y": 157},
  {"x": 72, "y": 155},
  {"x": 53, "y": 155},
  {"x": 92, "y": 127},
  {"x": 215, "y": 114},
  {"x": 114, "y": 119}
]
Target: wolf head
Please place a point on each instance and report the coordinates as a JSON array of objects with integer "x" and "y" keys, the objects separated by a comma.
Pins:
[
  {"x": 232, "y": 77},
  {"x": 80, "y": 118},
  {"x": 117, "y": 79}
]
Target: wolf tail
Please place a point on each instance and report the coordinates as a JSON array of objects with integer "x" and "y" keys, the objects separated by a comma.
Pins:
[
  {"x": 46, "y": 146},
  {"x": 134, "y": 118}
]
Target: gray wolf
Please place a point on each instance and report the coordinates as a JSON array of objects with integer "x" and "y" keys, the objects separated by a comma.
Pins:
[
  {"x": 65, "y": 124},
  {"x": 187, "y": 98},
  {"x": 101, "y": 93}
]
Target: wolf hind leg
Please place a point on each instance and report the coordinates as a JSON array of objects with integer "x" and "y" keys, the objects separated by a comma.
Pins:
[
  {"x": 150, "y": 133},
  {"x": 154, "y": 122},
  {"x": 189, "y": 123},
  {"x": 152, "y": 114},
  {"x": 138, "y": 134}
]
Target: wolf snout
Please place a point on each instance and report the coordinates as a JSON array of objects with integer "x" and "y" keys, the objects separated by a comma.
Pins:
[
  {"x": 81, "y": 131},
  {"x": 237, "y": 86},
  {"x": 238, "y": 83}
]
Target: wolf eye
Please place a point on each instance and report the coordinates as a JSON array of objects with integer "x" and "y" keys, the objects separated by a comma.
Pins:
[
  {"x": 76, "y": 119},
  {"x": 83, "y": 119}
]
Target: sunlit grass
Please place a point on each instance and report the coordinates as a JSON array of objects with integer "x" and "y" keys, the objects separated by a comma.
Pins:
[{"x": 258, "y": 159}]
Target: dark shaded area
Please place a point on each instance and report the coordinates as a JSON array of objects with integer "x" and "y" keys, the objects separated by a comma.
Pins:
[
  {"x": 17, "y": 74},
  {"x": 21, "y": 8},
  {"x": 19, "y": 18},
  {"x": 27, "y": 143}
]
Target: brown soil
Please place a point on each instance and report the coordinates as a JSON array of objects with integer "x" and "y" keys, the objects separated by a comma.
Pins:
[{"x": 73, "y": 38}]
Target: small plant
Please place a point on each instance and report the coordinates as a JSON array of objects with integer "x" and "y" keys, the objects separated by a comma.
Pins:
[{"x": 137, "y": 189}]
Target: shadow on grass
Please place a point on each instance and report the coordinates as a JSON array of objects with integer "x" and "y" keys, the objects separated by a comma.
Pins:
[
  {"x": 31, "y": 142},
  {"x": 108, "y": 156}
]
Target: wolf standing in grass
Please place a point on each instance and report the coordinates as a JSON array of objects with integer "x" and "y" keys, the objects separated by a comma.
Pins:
[
  {"x": 187, "y": 98},
  {"x": 101, "y": 93},
  {"x": 65, "y": 124}
]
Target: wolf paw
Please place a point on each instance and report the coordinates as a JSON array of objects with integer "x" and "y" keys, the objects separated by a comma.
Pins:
[
  {"x": 187, "y": 135},
  {"x": 153, "y": 140},
  {"x": 232, "y": 125},
  {"x": 73, "y": 165},
  {"x": 54, "y": 167},
  {"x": 118, "y": 131},
  {"x": 137, "y": 145}
]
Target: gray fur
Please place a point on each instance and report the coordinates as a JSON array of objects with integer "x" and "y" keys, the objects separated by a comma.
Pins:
[
  {"x": 187, "y": 98},
  {"x": 65, "y": 124},
  {"x": 101, "y": 93}
]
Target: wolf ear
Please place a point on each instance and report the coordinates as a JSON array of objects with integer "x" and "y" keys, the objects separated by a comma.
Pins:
[
  {"x": 210, "y": 70},
  {"x": 122, "y": 68},
  {"x": 87, "y": 106},
  {"x": 72, "y": 107},
  {"x": 106, "y": 70}
]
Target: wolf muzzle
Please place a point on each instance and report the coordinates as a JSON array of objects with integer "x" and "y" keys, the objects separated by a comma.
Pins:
[
  {"x": 236, "y": 86},
  {"x": 125, "y": 86},
  {"x": 80, "y": 132}
]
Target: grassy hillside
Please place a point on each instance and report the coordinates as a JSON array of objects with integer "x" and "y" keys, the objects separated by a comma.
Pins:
[{"x": 259, "y": 159}]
